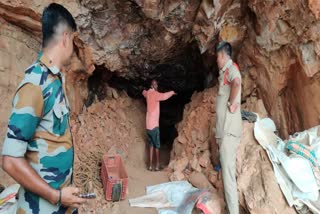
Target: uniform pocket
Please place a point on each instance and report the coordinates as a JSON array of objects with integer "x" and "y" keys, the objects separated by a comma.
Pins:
[
  {"x": 233, "y": 123},
  {"x": 61, "y": 117}
]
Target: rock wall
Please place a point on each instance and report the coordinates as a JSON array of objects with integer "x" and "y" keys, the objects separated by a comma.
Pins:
[
  {"x": 191, "y": 149},
  {"x": 195, "y": 151},
  {"x": 281, "y": 57},
  {"x": 17, "y": 50},
  {"x": 131, "y": 37},
  {"x": 113, "y": 126},
  {"x": 275, "y": 43},
  {"x": 258, "y": 189}
]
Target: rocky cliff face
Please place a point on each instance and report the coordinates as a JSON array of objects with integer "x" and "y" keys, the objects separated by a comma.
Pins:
[
  {"x": 276, "y": 45},
  {"x": 195, "y": 152},
  {"x": 14, "y": 44},
  {"x": 281, "y": 56}
]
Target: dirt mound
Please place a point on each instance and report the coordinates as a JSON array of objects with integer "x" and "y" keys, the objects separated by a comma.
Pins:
[
  {"x": 14, "y": 44},
  {"x": 258, "y": 189},
  {"x": 195, "y": 150},
  {"x": 112, "y": 126},
  {"x": 191, "y": 149}
]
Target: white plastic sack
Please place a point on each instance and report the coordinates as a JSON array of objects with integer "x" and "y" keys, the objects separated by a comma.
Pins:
[
  {"x": 266, "y": 137},
  {"x": 300, "y": 172},
  {"x": 9, "y": 206},
  {"x": 170, "y": 194},
  {"x": 294, "y": 174},
  {"x": 175, "y": 191},
  {"x": 186, "y": 206},
  {"x": 156, "y": 200}
]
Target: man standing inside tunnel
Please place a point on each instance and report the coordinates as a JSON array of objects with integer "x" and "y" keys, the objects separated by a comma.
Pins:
[
  {"x": 153, "y": 98},
  {"x": 38, "y": 149},
  {"x": 229, "y": 122}
]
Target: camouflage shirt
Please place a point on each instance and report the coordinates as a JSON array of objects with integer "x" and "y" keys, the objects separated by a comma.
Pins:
[{"x": 38, "y": 129}]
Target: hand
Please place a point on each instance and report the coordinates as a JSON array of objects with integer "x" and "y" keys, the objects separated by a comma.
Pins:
[
  {"x": 233, "y": 107},
  {"x": 73, "y": 128},
  {"x": 69, "y": 197}
]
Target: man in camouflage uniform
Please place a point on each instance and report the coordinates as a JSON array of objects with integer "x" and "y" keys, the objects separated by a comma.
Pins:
[{"x": 38, "y": 149}]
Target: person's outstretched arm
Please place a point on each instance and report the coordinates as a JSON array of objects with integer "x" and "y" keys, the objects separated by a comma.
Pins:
[
  {"x": 165, "y": 96},
  {"x": 144, "y": 93}
]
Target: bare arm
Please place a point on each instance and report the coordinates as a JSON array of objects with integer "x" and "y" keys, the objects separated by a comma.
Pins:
[
  {"x": 165, "y": 96},
  {"x": 28, "y": 103},
  {"x": 144, "y": 93},
  {"x": 20, "y": 170},
  {"x": 235, "y": 88},
  {"x": 24, "y": 119}
]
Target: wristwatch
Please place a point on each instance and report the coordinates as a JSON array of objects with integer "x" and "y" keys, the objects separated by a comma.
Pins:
[{"x": 59, "y": 201}]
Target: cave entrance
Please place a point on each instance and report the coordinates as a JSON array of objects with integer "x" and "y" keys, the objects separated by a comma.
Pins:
[
  {"x": 171, "y": 114},
  {"x": 97, "y": 85},
  {"x": 186, "y": 73}
]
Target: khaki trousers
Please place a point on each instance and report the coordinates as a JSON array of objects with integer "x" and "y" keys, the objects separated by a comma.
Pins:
[{"x": 228, "y": 153}]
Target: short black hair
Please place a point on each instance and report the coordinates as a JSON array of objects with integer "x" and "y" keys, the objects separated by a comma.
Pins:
[
  {"x": 52, "y": 16},
  {"x": 224, "y": 46}
]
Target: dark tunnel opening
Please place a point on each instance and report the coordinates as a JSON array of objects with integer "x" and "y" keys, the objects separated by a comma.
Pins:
[{"x": 187, "y": 73}]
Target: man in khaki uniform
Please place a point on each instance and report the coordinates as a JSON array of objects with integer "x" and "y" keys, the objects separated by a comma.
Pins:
[{"x": 229, "y": 122}]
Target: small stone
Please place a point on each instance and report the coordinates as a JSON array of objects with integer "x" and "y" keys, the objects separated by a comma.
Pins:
[
  {"x": 204, "y": 160},
  {"x": 178, "y": 148},
  {"x": 115, "y": 94},
  {"x": 200, "y": 181},
  {"x": 213, "y": 177},
  {"x": 182, "y": 139},
  {"x": 177, "y": 176},
  {"x": 109, "y": 93},
  {"x": 181, "y": 164},
  {"x": 195, "y": 164}
]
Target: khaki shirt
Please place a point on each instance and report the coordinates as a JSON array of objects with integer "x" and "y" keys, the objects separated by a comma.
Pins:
[{"x": 228, "y": 123}]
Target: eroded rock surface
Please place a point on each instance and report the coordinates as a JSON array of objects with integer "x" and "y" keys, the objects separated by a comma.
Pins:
[
  {"x": 17, "y": 50},
  {"x": 281, "y": 55},
  {"x": 276, "y": 44},
  {"x": 258, "y": 189},
  {"x": 115, "y": 127},
  {"x": 195, "y": 147}
]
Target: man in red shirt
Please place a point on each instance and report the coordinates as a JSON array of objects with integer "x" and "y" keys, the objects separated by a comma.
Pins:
[{"x": 153, "y": 98}]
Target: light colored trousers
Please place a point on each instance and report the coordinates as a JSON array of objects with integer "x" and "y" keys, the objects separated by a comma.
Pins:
[{"x": 228, "y": 154}]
